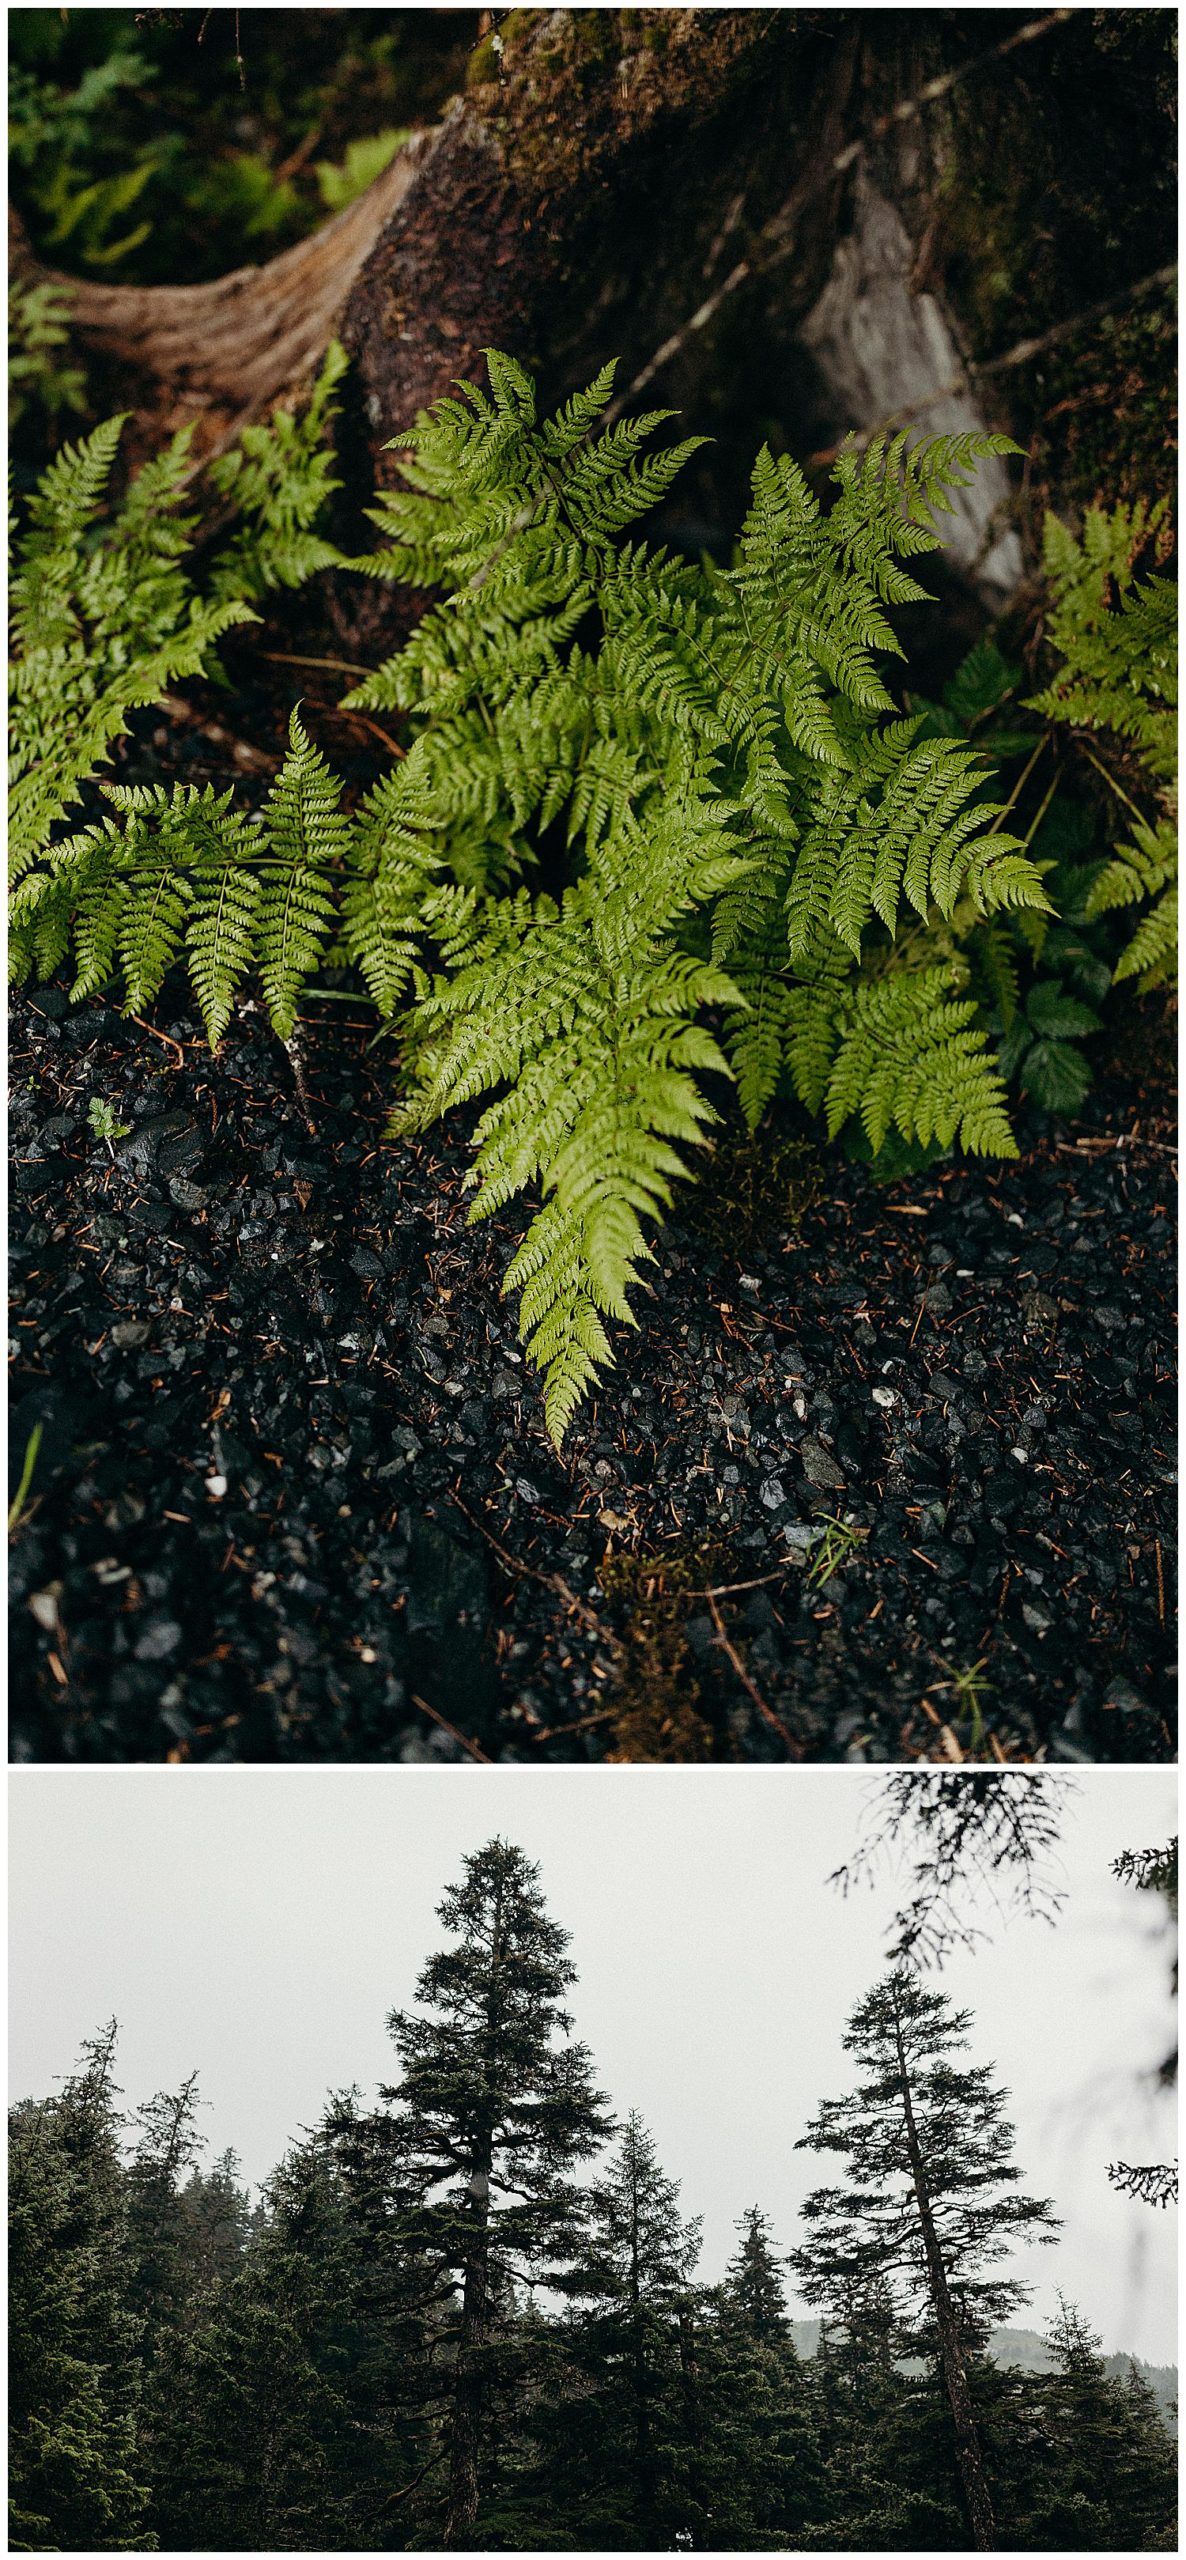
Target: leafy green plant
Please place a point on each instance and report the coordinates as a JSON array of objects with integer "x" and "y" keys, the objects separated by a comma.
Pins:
[
  {"x": 18, "y": 1506},
  {"x": 38, "y": 375},
  {"x": 1041, "y": 1046},
  {"x": 840, "y": 1542},
  {"x": 105, "y": 616},
  {"x": 52, "y": 135},
  {"x": 102, "y": 1120},
  {"x": 968, "y": 1690},
  {"x": 163, "y": 143},
  {"x": 366, "y": 159},
  {"x": 756, "y": 870},
  {"x": 1117, "y": 638},
  {"x": 1041, "y": 973}
]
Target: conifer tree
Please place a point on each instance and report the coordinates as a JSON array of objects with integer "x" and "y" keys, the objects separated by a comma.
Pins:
[
  {"x": 754, "y": 2290},
  {"x": 76, "y": 2478},
  {"x": 283, "y": 2426},
  {"x": 1108, "y": 2480},
  {"x": 759, "y": 2454},
  {"x": 622, "y": 2444},
  {"x": 166, "y": 2148},
  {"x": 216, "y": 2216},
  {"x": 930, "y": 2200},
  {"x": 493, "y": 2114}
]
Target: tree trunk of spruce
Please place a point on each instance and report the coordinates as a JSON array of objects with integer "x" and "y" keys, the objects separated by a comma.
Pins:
[
  {"x": 469, "y": 2389},
  {"x": 690, "y": 2382},
  {"x": 644, "y": 2463},
  {"x": 955, "y": 2371}
]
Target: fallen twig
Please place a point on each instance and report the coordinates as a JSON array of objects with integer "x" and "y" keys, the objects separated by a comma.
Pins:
[
  {"x": 518, "y": 1565},
  {"x": 731, "y": 1655},
  {"x": 474, "y": 1748},
  {"x": 163, "y": 1036}
]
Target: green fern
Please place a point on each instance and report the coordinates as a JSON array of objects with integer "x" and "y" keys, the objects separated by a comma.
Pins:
[
  {"x": 279, "y": 477},
  {"x": 40, "y": 373},
  {"x": 104, "y": 612},
  {"x": 103, "y": 619},
  {"x": 1117, "y": 639},
  {"x": 758, "y": 868},
  {"x": 722, "y": 752},
  {"x": 179, "y": 875}
]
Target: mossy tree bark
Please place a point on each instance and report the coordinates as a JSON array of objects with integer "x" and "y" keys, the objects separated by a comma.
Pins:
[
  {"x": 717, "y": 188},
  {"x": 587, "y": 193}
]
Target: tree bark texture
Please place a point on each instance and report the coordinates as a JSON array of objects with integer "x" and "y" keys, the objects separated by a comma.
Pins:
[
  {"x": 469, "y": 2393},
  {"x": 570, "y": 202},
  {"x": 786, "y": 221}
]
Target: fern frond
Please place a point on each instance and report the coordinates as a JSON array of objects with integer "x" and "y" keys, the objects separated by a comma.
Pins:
[
  {"x": 279, "y": 476},
  {"x": 306, "y": 835},
  {"x": 1117, "y": 638},
  {"x": 910, "y": 1056}
]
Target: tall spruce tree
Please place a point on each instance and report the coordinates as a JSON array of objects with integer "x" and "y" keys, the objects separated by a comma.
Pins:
[
  {"x": 76, "y": 2473},
  {"x": 1107, "y": 2481},
  {"x": 930, "y": 2200},
  {"x": 759, "y": 2448},
  {"x": 161, "y": 2265},
  {"x": 494, "y": 2112},
  {"x": 622, "y": 2443}
]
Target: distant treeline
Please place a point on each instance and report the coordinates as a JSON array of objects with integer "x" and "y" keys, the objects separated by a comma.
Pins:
[{"x": 469, "y": 2317}]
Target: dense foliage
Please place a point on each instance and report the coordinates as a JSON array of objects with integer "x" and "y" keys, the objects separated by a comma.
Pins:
[
  {"x": 470, "y": 2316},
  {"x": 659, "y": 827},
  {"x": 1117, "y": 639},
  {"x": 155, "y": 146}
]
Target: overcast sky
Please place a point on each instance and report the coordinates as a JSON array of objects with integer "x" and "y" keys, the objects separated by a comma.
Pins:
[{"x": 259, "y": 1924}]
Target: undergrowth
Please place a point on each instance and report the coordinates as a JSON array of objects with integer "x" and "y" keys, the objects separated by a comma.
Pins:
[
  {"x": 657, "y": 1693},
  {"x": 660, "y": 828},
  {"x": 755, "y": 1189},
  {"x": 155, "y": 144}
]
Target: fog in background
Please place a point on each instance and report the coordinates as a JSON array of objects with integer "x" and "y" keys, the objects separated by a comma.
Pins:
[{"x": 259, "y": 1924}]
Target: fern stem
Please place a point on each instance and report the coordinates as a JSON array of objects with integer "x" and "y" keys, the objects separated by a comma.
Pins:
[
  {"x": 1032, "y": 829},
  {"x": 284, "y": 658},
  {"x": 1113, "y": 785},
  {"x": 1018, "y": 787}
]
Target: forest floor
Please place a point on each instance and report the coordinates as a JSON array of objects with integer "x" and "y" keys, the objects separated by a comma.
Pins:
[{"x": 293, "y": 1496}]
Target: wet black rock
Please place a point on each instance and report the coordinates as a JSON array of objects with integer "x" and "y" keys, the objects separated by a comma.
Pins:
[{"x": 291, "y": 1495}]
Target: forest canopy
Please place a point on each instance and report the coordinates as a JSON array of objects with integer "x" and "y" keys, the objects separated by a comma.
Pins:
[{"x": 470, "y": 2316}]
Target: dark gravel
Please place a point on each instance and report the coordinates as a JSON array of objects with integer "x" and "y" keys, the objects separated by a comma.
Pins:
[{"x": 293, "y": 1497}]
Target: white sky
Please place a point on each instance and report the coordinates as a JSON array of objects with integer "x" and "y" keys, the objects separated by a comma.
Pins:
[{"x": 258, "y": 1924}]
